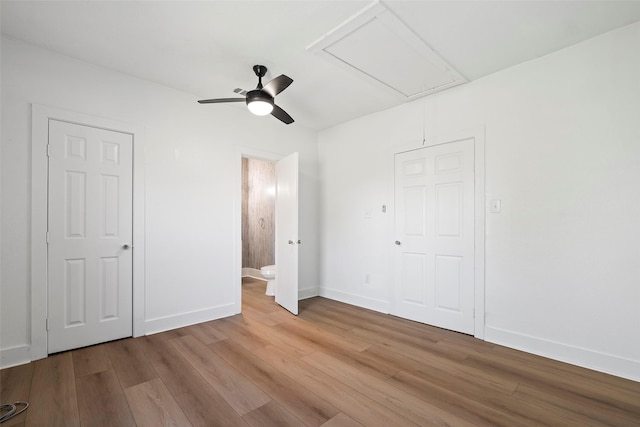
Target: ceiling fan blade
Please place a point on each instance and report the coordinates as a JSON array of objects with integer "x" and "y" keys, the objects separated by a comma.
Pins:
[
  {"x": 240, "y": 91},
  {"x": 277, "y": 85},
  {"x": 281, "y": 115},
  {"x": 221, "y": 100}
]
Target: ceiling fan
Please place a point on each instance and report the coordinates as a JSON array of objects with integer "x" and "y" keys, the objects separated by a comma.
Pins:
[{"x": 260, "y": 101}]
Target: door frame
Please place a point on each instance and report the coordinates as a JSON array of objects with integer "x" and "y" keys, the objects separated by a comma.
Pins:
[
  {"x": 478, "y": 136},
  {"x": 251, "y": 153},
  {"x": 40, "y": 116}
]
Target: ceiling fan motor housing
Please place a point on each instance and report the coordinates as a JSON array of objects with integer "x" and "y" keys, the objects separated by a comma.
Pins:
[{"x": 257, "y": 95}]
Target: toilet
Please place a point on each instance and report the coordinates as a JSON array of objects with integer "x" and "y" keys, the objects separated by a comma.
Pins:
[{"x": 269, "y": 273}]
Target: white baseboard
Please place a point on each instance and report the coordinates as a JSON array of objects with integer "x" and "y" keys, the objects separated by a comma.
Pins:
[
  {"x": 607, "y": 363},
  {"x": 15, "y": 356},
  {"x": 307, "y": 293},
  {"x": 252, "y": 272},
  {"x": 162, "y": 324},
  {"x": 360, "y": 301},
  {"x": 255, "y": 274}
]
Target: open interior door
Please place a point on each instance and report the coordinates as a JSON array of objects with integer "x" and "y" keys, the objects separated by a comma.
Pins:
[{"x": 287, "y": 233}]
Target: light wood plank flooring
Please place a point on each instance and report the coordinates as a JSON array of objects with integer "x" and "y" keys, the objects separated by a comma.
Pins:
[{"x": 333, "y": 365}]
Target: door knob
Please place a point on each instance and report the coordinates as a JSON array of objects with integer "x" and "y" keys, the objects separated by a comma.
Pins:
[
  {"x": 299, "y": 242},
  {"x": 291, "y": 242},
  {"x": 398, "y": 242},
  {"x": 125, "y": 246}
]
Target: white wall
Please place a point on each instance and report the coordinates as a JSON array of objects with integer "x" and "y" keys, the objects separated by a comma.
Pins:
[
  {"x": 562, "y": 153},
  {"x": 562, "y": 138},
  {"x": 192, "y": 157}
]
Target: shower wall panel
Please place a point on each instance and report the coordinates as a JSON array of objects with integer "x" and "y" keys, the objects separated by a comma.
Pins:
[{"x": 258, "y": 213}]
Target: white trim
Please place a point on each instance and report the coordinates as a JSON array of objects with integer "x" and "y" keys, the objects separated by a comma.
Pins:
[
  {"x": 252, "y": 272},
  {"x": 39, "y": 178},
  {"x": 307, "y": 293},
  {"x": 15, "y": 356},
  {"x": 161, "y": 324},
  {"x": 237, "y": 215},
  {"x": 478, "y": 136},
  {"x": 480, "y": 231},
  {"x": 357, "y": 300},
  {"x": 41, "y": 115},
  {"x": 602, "y": 362}
]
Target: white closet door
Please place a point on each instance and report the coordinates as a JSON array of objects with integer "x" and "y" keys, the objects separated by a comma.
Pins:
[
  {"x": 434, "y": 224},
  {"x": 89, "y": 236}
]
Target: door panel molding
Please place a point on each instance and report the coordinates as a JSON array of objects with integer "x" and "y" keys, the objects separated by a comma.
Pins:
[{"x": 39, "y": 193}]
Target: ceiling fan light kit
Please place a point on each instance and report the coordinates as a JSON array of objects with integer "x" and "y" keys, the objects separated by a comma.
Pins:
[{"x": 260, "y": 101}]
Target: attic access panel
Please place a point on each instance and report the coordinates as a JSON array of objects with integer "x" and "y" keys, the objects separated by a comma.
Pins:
[{"x": 377, "y": 45}]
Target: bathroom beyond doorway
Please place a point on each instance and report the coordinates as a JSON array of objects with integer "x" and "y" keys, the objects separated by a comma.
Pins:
[{"x": 258, "y": 215}]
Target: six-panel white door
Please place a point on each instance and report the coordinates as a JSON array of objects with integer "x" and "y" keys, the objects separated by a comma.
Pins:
[
  {"x": 286, "y": 292},
  {"x": 89, "y": 236},
  {"x": 434, "y": 225}
]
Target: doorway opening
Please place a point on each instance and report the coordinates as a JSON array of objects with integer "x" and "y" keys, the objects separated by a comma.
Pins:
[
  {"x": 258, "y": 216},
  {"x": 285, "y": 229}
]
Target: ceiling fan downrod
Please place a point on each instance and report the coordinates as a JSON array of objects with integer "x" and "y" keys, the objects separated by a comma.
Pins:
[{"x": 260, "y": 71}]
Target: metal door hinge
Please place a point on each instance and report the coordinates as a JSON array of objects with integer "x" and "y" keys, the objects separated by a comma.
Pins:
[
  {"x": 48, "y": 150},
  {"x": 47, "y": 237},
  {"x": 47, "y": 324}
]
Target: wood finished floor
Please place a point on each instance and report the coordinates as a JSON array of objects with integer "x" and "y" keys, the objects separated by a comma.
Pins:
[{"x": 333, "y": 365}]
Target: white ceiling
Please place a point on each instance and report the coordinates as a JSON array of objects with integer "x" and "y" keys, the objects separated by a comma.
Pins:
[{"x": 208, "y": 47}]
